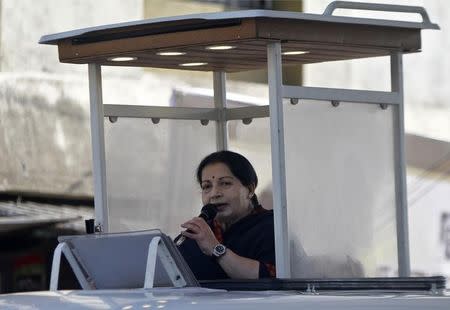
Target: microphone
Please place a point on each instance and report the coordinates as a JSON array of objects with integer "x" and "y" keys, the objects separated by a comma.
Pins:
[{"x": 207, "y": 213}]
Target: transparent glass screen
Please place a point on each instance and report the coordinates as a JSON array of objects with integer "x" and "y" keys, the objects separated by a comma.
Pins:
[
  {"x": 150, "y": 172},
  {"x": 253, "y": 141},
  {"x": 340, "y": 189}
]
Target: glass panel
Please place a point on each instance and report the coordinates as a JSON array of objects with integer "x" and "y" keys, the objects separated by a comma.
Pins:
[
  {"x": 150, "y": 172},
  {"x": 340, "y": 189},
  {"x": 192, "y": 97},
  {"x": 134, "y": 86},
  {"x": 253, "y": 141},
  {"x": 353, "y": 74}
]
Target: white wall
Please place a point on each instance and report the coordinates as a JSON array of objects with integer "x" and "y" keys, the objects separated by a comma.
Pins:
[
  {"x": 44, "y": 105},
  {"x": 429, "y": 198},
  {"x": 23, "y": 23}
]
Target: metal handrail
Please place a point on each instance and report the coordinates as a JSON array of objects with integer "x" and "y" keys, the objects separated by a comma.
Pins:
[{"x": 379, "y": 7}]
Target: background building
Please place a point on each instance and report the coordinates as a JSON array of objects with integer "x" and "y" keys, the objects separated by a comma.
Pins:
[{"x": 46, "y": 171}]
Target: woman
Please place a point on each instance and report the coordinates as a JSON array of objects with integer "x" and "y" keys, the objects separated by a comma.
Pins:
[{"x": 239, "y": 242}]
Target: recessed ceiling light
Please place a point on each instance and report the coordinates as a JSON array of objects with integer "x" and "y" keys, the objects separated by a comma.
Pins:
[
  {"x": 193, "y": 64},
  {"x": 295, "y": 53},
  {"x": 220, "y": 47},
  {"x": 170, "y": 53},
  {"x": 122, "y": 58}
]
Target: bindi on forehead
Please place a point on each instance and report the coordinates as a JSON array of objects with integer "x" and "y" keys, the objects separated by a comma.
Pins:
[{"x": 213, "y": 177}]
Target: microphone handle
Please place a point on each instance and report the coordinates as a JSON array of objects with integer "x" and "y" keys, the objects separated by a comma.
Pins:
[{"x": 179, "y": 240}]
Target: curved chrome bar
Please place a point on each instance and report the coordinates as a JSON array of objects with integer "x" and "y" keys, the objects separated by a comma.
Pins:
[{"x": 380, "y": 7}]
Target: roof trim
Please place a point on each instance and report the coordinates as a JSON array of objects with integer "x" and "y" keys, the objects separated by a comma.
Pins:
[{"x": 210, "y": 18}]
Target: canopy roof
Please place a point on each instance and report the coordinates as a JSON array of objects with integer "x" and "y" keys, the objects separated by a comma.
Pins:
[{"x": 322, "y": 37}]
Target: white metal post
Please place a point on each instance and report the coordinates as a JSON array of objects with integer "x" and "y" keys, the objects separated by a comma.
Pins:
[
  {"x": 157, "y": 249},
  {"x": 98, "y": 147},
  {"x": 220, "y": 102},
  {"x": 400, "y": 168},
  {"x": 282, "y": 252},
  {"x": 63, "y": 248}
]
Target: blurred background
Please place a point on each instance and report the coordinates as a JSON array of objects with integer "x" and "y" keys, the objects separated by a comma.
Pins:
[{"x": 46, "y": 185}]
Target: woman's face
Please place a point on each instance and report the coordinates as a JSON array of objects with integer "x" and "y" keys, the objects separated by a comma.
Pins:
[{"x": 221, "y": 187}]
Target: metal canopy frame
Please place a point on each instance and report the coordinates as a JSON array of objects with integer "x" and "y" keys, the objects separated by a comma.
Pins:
[
  {"x": 324, "y": 37},
  {"x": 220, "y": 114},
  {"x": 69, "y": 44}
]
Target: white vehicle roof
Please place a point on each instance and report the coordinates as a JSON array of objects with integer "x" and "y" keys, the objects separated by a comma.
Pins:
[{"x": 200, "y": 298}]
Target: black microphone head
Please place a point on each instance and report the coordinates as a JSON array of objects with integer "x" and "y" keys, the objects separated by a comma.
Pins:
[{"x": 208, "y": 212}]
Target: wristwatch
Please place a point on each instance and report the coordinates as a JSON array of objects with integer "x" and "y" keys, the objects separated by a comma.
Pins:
[{"x": 219, "y": 250}]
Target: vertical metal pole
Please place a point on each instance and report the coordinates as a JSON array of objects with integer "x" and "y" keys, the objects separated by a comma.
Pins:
[
  {"x": 220, "y": 102},
  {"x": 282, "y": 252},
  {"x": 98, "y": 147},
  {"x": 400, "y": 168}
]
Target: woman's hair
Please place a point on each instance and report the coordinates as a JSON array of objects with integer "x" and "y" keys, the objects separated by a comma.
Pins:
[{"x": 239, "y": 166}]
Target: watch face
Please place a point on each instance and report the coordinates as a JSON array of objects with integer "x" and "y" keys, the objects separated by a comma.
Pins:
[{"x": 219, "y": 250}]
